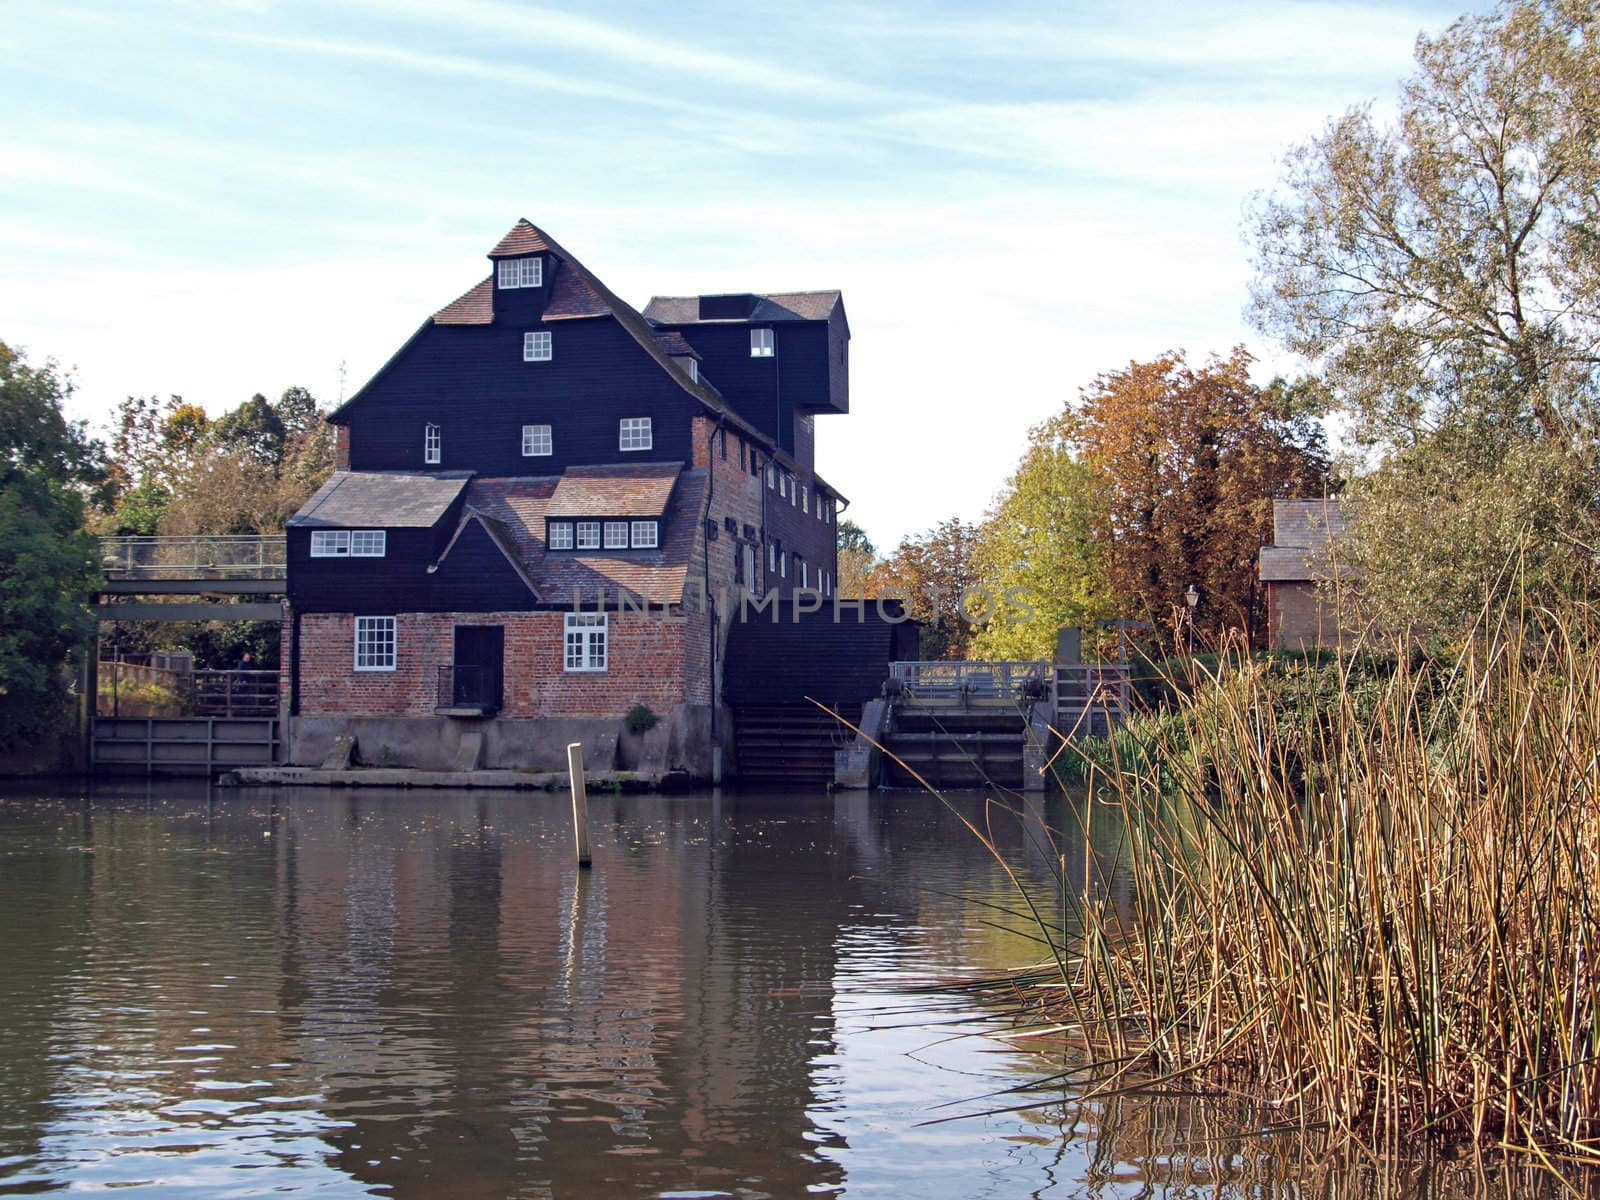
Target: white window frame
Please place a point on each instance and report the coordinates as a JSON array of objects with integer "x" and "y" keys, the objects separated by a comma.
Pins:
[
  {"x": 616, "y": 535},
  {"x": 368, "y": 543},
  {"x": 750, "y": 568},
  {"x": 805, "y": 500},
  {"x": 762, "y": 344},
  {"x": 376, "y": 644},
  {"x": 634, "y": 433},
  {"x": 537, "y": 442},
  {"x": 521, "y": 272},
  {"x": 330, "y": 543},
  {"x": 772, "y": 482},
  {"x": 538, "y": 346},
  {"x": 783, "y": 565},
  {"x": 805, "y": 573},
  {"x": 560, "y": 534},
  {"x": 794, "y": 494},
  {"x": 432, "y": 443},
  {"x": 783, "y": 485},
  {"x": 588, "y": 535},
  {"x": 772, "y": 558},
  {"x": 646, "y": 535},
  {"x": 583, "y": 643}
]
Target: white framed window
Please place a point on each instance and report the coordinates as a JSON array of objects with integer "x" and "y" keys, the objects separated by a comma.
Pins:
[
  {"x": 783, "y": 566},
  {"x": 805, "y": 500},
  {"x": 645, "y": 535},
  {"x": 330, "y": 543},
  {"x": 536, "y": 440},
  {"x": 432, "y": 444},
  {"x": 588, "y": 535},
  {"x": 560, "y": 535},
  {"x": 616, "y": 535},
  {"x": 585, "y": 641},
  {"x": 772, "y": 483},
  {"x": 772, "y": 557},
  {"x": 634, "y": 434},
  {"x": 805, "y": 574},
  {"x": 783, "y": 485},
  {"x": 794, "y": 494},
  {"x": 375, "y": 644},
  {"x": 368, "y": 543},
  {"x": 693, "y": 367},
  {"x": 761, "y": 343},
  {"x": 522, "y": 272},
  {"x": 536, "y": 346},
  {"x": 750, "y": 568}
]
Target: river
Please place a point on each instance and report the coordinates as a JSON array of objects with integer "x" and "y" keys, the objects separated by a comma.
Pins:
[{"x": 220, "y": 993}]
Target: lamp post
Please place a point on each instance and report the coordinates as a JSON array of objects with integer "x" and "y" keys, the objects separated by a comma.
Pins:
[{"x": 1191, "y": 598}]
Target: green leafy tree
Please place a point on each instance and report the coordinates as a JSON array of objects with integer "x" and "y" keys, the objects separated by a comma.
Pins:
[
  {"x": 1037, "y": 553},
  {"x": 1446, "y": 263},
  {"x": 47, "y": 561},
  {"x": 857, "y": 557}
]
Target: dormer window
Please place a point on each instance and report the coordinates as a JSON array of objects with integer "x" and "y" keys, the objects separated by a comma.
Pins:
[
  {"x": 521, "y": 272},
  {"x": 536, "y": 346},
  {"x": 432, "y": 444},
  {"x": 761, "y": 343}
]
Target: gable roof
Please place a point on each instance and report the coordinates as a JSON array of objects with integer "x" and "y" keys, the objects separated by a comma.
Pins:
[
  {"x": 624, "y": 490},
  {"x": 381, "y": 500},
  {"x": 765, "y": 308},
  {"x": 499, "y": 535},
  {"x": 524, "y": 238},
  {"x": 584, "y": 296}
]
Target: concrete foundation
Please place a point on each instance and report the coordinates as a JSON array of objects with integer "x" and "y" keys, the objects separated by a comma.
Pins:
[{"x": 680, "y": 742}]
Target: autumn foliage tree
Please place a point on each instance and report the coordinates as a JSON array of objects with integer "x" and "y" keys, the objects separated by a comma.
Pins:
[
  {"x": 931, "y": 572},
  {"x": 1187, "y": 463}
]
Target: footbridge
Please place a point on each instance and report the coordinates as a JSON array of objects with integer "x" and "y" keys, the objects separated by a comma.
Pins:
[{"x": 174, "y": 719}]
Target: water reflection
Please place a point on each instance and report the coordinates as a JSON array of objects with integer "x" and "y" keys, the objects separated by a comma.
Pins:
[{"x": 418, "y": 994}]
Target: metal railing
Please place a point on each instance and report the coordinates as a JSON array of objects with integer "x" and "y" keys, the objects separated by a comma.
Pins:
[
  {"x": 232, "y": 556},
  {"x": 1072, "y": 689},
  {"x": 469, "y": 687},
  {"x": 973, "y": 680}
]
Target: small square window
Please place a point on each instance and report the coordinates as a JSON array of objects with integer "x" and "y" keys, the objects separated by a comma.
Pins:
[
  {"x": 585, "y": 641},
  {"x": 761, "y": 343},
  {"x": 560, "y": 535},
  {"x": 616, "y": 535},
  {"x": 368, "y": 543},
  {"x": 535, "y": 440},
  {"x": 330, "y": 543},
  {"x": 432, "y": 444},
  {"x": 536, "y": 346},
  {"x": 634, "y": 434},
  {"x": 645, "y": 534},
  {"x": 375, "y": 644},
  {"x": 783, "y": 485},
  {"x": 588, "y": 535}
]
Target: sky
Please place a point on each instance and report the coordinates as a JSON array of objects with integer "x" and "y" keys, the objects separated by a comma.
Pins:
[{"x": 213, "y": 198}]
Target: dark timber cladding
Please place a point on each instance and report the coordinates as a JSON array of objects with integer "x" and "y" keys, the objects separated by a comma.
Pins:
[{"x": 831, "y": 657}]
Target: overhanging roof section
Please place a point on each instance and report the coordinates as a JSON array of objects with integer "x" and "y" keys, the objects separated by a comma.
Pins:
[
  {"x": 381, "y": 500},
  {"x": 1305, "y": 542},
  {"x": 641, "y": 490},
  {"x": 753, "y": 308}
]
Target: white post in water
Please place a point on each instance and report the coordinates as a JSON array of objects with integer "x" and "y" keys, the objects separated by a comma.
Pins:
[{"x": 580, "y": 802}]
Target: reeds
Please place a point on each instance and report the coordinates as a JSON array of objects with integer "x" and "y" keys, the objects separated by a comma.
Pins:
[{"x": 1370, "y": 907}]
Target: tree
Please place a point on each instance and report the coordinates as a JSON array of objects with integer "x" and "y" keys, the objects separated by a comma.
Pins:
[
  {"x": 1036, "y": 550},
  {"x": 155, "y": 446},
  {"x": 1187, "y": 464},
  {"x": 1448, "y": 263},
  {"x": 857, "y": 557},
  {"x": 932, "y": 572},
  {"x": 47, "y": 562}
]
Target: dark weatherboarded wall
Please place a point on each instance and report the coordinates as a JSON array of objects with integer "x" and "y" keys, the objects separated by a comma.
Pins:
[{"x": 836, "y": 661}]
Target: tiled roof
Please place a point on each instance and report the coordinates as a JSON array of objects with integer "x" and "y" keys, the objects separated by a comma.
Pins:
[
  {"x": 524, "y": 238},
  {"x": 657, "y": 576},
  {"x": 769, "y": 307},
  {"x": 571, "y": 296},
  {"x": 1305, "y": 536},
  {"x": 625, "y": 490},
  {"x": 380, "y": 500},
  {"x": 673, "y": 343},
  {"x": 500, "y": 536},
  {"x": 475, "y": 306}
]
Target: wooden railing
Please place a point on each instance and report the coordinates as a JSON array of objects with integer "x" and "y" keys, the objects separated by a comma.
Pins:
[
  {"x": 234, "y": 693},
  {"x": 236, "y": 556}
]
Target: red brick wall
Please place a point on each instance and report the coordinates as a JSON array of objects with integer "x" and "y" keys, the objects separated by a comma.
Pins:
[
  {"x": 341, "y": 447},
  {"x": 645, "y": 653},
  {"x": 735, "y": 493}
]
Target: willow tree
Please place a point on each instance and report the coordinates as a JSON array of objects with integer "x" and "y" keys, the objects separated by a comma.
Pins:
[
  {"x": 1442, "y": 270},
  {"x": 1450, "y": 258}
]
